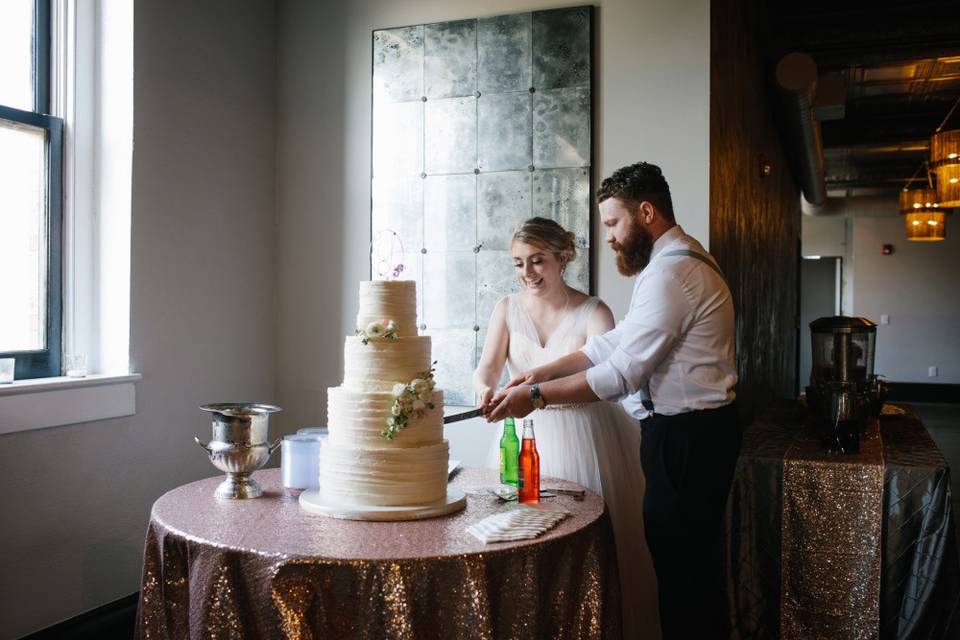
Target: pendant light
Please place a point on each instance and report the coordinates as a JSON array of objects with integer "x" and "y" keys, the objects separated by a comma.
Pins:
[
  {"x": 925, "y": 221},
  {"x": 945, "y": 161}
]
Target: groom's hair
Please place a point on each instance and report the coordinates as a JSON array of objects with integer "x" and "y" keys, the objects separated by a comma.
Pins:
[{"x": 636, "y": 183}]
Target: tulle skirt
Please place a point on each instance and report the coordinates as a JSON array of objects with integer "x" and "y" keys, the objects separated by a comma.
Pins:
[{"x": 597, "y": 445}]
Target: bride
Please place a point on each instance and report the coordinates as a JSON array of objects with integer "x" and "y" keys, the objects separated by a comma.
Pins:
[{"x": 596, "y": 445}]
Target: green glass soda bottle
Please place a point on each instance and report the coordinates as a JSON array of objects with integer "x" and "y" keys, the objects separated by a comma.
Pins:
[{"x": 509, "y": 453}]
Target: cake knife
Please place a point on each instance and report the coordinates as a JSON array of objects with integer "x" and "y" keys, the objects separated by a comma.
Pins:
[{"x": 466, "y": 415}]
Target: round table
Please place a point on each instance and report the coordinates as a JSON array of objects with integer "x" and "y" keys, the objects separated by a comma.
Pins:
[{"x": 264, "y": 568}]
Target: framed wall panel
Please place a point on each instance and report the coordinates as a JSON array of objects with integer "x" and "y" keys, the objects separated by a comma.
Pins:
[{"x": 478, "y": 125}]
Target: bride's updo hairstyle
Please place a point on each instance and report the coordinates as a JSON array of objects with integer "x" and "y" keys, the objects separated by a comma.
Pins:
[{"x": 546, "y": 234}]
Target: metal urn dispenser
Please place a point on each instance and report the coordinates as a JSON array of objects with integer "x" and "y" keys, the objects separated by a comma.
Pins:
[{"x": 844, "y": 394}]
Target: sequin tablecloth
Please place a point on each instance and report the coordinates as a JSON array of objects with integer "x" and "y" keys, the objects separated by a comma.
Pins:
[
  {"x": 892, "y": 501},
  {"x": 264, "y": 568}
]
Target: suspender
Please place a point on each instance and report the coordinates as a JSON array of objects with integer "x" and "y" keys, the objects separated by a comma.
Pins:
[
  {"x": 645, "y": 398},
  {"x": 699, "y": 256}
]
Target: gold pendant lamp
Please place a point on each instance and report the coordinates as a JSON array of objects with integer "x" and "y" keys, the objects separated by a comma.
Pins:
[
  {"x": 925, "y": 221},
  {"x": 945, "y": 163}
]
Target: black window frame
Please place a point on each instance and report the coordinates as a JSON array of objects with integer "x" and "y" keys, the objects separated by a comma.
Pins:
[{"x": 45, "y": 362}]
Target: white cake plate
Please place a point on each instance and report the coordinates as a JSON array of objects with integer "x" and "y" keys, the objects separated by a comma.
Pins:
[{"x": 313, "y": 502}]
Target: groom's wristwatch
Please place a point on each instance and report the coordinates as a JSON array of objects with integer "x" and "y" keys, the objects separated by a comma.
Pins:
[{"x": 536, "y": 398}]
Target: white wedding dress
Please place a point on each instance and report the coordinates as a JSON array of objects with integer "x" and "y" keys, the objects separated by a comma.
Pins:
[{"x": 596, "y": 445}]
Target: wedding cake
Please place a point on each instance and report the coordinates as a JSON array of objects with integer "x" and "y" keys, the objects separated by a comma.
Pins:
[{"x": 385, "y": 421}]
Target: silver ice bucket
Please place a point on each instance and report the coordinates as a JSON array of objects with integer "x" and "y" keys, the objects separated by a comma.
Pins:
[{"x": 240, "y": 445}]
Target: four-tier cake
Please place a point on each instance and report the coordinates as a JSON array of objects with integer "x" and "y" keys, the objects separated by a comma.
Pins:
[{"x": 386, "y": 445}]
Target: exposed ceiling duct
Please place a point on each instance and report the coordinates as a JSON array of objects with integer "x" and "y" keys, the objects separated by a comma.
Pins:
[
  {"x": 899, "y": 63},
  {"x": 871, "y": 206},
  {"x": 796, "y": 75}
]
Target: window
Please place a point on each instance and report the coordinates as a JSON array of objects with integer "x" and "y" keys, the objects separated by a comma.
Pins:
[{"x": 31, "y": 202}]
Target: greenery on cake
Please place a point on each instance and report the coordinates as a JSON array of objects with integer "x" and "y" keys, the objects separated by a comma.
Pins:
[
  {"x": 411, "y": 400},
  {"x": 384, "y": 330}
]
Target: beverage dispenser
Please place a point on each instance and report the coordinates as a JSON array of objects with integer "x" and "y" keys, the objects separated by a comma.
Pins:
[{"x": 844, "y": 394}]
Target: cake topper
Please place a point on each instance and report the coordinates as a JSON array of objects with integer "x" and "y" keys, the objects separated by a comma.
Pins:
[{"x": 386, "y": 254}]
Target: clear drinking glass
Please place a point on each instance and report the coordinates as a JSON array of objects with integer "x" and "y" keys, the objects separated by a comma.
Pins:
[
  {"x": 6, "y": 370},
  {"x": 75, "y": 365}
]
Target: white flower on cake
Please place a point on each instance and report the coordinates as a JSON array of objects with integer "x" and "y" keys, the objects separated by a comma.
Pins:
[
  {"x": 386, "y": 329},
  {"x": 411, "y": 400}
]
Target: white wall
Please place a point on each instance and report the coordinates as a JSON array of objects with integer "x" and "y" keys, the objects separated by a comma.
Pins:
[
  {"x": 915, "y": 286},
  {"x": 76, "y": 499},
  {"x": 652, "y": 103}
]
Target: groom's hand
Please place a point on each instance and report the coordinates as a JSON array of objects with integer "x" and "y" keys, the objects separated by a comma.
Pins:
[
  {"x": 533, "y": 376},
  {"x": 514, "y": 402}
]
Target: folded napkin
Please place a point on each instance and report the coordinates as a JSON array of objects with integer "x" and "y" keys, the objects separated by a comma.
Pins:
[{"x": 519, "y": 523}]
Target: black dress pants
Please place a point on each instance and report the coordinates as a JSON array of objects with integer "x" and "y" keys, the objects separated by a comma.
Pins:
[{"x": 689, "y": 460}]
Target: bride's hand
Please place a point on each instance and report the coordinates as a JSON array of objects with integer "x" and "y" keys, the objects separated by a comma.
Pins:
[{"x": 484, "y": 398}]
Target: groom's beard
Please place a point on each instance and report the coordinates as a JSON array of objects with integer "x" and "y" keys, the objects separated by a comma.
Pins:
[{"x": 634, "y": 254}]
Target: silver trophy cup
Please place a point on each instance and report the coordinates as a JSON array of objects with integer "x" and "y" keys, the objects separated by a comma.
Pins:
[{"x": 239, "y": 446}]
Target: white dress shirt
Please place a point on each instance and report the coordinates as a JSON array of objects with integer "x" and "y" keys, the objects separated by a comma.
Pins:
[{"x": 678, "y": 335}]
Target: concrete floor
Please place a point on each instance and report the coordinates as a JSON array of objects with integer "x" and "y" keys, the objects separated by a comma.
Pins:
[{"x": 943, "y": 423}]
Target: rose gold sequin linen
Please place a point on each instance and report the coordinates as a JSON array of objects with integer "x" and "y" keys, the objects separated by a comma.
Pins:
[
  {"x": 263, "y": 568},
  {"x": 831, "y": 535}
]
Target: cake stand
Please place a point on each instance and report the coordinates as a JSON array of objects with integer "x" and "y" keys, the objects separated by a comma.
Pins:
[{"x": 313, "y": 502}]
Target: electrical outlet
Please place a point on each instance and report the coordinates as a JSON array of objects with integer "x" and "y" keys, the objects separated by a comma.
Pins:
[
  {"x": 884, "y": 318},
  {"x": 933, "y": 372}
]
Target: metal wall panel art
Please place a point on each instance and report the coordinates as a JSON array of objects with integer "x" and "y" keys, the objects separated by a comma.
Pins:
[
  {"x": 503, "y": 53},
  {"x": 496, "y": 278},
  {"x": 561, "y": 48},
  {"x": 450, "y": 213},
  {"x": 503, "y": 201},
  {"x": 563, "y": 195},
  {"x": 398, "y": 64},
  {"x": 398, "y": 206},
  {"x": 578, "y": 273},
  {"x": 477, "y": 125},
  {"x": 449, "y": 283},
  {"x": 561, "y": 128},
  {"x": 458, "y": 347},
  {"x": 503, "y": 132},
  {"x": 450, "y": 59},
  {"x": 450, "y": 140},
  {"x": 397, "y": 139}
]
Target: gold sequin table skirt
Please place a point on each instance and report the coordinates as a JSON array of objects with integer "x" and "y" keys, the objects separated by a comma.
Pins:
[
  {"x": 822, "y": 545},
  {"x": 264, "y": 568}
]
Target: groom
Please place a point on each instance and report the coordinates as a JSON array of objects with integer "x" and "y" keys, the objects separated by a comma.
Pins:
[{"x": 670, "y": 361}]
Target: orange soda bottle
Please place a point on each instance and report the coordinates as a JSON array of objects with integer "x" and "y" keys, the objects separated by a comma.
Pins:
[{"x": 529, "y": 463}]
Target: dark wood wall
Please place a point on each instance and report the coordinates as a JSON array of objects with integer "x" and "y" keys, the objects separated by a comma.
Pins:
[{"x": 754, "y": 219}]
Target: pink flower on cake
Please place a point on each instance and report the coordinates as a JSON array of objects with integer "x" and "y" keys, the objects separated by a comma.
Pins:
[{"x": 386, "y": 329}]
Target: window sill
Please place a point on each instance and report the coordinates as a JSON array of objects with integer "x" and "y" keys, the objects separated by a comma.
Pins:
[{"x": 52, "y": 402}]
